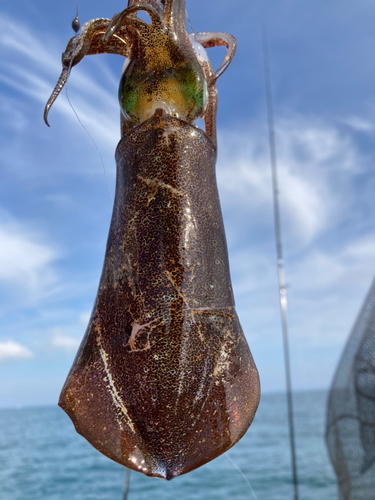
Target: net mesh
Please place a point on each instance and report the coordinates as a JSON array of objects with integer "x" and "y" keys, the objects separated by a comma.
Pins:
[{"x": 350, "y": 431}]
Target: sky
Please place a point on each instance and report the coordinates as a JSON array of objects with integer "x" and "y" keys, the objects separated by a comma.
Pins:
[{"x": 55, "y": 207}]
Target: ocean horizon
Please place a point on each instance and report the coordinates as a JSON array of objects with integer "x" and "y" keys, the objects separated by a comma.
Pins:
[{"x": 43, "y": 458}]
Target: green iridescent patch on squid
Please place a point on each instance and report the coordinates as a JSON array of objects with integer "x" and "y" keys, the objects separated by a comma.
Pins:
[
  {"x": 182, "y": 92},
  {"x": 129, "y": 91},
  {"x": 129, "y": 101},
  {"x": 193, "y": 88}
]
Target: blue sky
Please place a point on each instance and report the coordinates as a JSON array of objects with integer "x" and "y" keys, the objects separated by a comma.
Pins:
[{"x": 55, "y": 208}]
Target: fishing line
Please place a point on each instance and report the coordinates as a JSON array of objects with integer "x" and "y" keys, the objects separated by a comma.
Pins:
[
  {"x": 76, "y": 26},
  {"x": 188, "y": 19},
  {"x": 127, "y": 480},
  {"x": 242, "y": 474},
  {"x": 280, "y": 258}
]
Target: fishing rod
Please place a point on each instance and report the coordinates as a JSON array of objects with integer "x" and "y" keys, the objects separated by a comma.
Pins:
[{"x": 280, "y": 258}]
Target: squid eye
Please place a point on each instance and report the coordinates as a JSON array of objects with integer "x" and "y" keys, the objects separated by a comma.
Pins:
[{"x": 200, "y": 52}]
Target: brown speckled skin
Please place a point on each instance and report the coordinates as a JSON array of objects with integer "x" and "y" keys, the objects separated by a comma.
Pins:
[{"x": 164, "y": 380}]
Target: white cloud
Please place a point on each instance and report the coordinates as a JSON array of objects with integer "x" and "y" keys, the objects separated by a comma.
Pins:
[
  {"x": 325, "y": 292},
  {"x": 25, "y": 259},
  {"x": 362, "y": 248},
  {"x": 84, "y": 318},
  {"x": 16, "y": 37},
  {"x": 10, "y": 351},
  {"x": 68, "y": 337},
  {"x": 64, "y": 342},
  {"x": 316, "y": 162},
  {"x": 326, "y": 270},
  {"x": 329, "y": 242},
  {"x": 359, "y": 124},
  {"x": 95, "y": 102}
]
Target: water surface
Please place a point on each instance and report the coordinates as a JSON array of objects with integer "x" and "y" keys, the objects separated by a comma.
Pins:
[{"x": 42, "y": 458}]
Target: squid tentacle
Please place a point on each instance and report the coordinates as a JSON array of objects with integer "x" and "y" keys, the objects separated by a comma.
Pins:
[
  {"x": 210, "y": 39},
  {"x": 86, "y": 43},
  {"x": 79, "y": 46},
  {"x": 120, "y": 19},
  {"x": 56, "y": 91},
  {"x": 214, "y": 39}
]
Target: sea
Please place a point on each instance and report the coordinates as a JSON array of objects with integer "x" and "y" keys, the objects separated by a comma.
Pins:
[{"x": 42, "y": 458}]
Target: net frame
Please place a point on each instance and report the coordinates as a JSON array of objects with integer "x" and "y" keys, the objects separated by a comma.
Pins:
[{"x": 350, "y": 420}]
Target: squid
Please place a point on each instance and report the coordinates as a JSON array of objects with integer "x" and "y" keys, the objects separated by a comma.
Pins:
[{"x": 164, "y": 380}]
